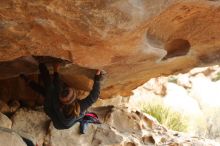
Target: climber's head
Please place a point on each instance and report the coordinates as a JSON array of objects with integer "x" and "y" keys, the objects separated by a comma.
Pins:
[{"x": 67, "y": 95}]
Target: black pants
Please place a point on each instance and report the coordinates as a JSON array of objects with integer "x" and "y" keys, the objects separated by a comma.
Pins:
[
  {"x": 45, "y": 77},
  {"x": 27, "y": 141}
]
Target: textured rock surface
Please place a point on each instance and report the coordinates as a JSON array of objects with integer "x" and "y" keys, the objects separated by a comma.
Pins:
[
  {"x": 4, "y": 108},
  {"x": 120, "y": 126},
  {"x": 132, "y": 40},
  {"x": 31, "y": 124},
  {"x": 5, "y": 121},
  {"x": 71, "y": 136},
  {"x": 194, "y": 94},
  {"x": 10, "y": 138}
]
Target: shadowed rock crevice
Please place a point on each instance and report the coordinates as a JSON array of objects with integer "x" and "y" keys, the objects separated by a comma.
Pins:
[
  {"x": 29, "y": 65},
  {"x": 177, "y": 47},
  {"x": 14, "y": 88},
  {"x": 26, "y": 64}
]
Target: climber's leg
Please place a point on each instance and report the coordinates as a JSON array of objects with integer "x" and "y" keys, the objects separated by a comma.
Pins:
[
  {"x": 36, "y": 87},
  {"x": 45, "y": 75}
]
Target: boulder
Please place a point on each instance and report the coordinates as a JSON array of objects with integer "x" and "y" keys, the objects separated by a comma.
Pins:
[
  {"x": 10, "y": 138},
  {"x": 122, "y": 126},
  {"x": 5, "y": 121},
  {"x": 31, "y": 124},
  {"x": 115, "y": 130},
  {"x": 4, "y": 108}
]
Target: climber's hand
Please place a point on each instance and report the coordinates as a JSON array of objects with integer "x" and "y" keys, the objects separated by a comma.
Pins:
[
  {"x": 56, "y": 67},
  {"x": 98, "y": 72},
  {"x": 99, "y": 75}
]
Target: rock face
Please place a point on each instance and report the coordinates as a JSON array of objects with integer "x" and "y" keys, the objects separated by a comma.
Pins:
[
  {"x": 5, "y": 122},
  {"x": 31, "y": 124},
  {"x": 194, "y": 94},
  {"x": 120, "y": 127},
  {"x": 132, "y": 40},
  {"x": 10, "y": 138}
]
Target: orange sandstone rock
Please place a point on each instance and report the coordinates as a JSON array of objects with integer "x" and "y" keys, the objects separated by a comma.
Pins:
[{"x": 132, "y": 41}]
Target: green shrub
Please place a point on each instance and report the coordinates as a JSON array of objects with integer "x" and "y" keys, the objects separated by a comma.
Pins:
[
  {"x": 172, "y": 79},
  {"x": 217, "y": 77},
  {"x": 167, "y": 117}
]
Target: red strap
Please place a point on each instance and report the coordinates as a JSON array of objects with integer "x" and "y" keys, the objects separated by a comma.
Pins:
[{"x": 91, "y": 115}]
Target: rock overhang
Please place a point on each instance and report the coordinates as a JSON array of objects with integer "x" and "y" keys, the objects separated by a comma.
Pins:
[{"x": 132, "y": 41}]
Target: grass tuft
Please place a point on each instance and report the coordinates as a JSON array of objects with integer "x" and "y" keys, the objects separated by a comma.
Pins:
[
  {"x": 172, "y": 79},
  {"x": 165, "y": 116},
  {"x": 217, "y": 77}
]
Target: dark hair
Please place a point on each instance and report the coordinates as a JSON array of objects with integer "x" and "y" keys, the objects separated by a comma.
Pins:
[{"x": 64, "y": 92}]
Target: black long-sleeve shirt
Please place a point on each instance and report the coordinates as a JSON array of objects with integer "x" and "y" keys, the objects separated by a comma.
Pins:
[{"x": 52, "y": 103}]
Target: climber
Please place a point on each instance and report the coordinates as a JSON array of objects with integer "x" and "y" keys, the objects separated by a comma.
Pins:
[{"x": 61, "y": 103}]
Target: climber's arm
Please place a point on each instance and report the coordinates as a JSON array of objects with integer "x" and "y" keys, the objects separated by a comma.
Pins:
[
  {"x": 94, "y": 93},
  {"x": 56, "y": 79}
]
